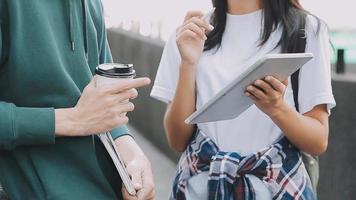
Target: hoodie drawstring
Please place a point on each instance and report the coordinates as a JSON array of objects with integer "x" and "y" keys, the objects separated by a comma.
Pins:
[
  {"x": 85, "y": 25},
  {"x": 70, "y": 15}
]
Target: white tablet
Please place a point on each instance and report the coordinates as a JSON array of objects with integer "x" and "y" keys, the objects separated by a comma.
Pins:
[{"x": 231, "y": 101}]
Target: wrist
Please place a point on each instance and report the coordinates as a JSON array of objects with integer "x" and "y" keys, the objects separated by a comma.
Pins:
[
  {"x": 128, "y": 148},
  {"x": 188, "y": 65},
  {"x": 65, "y": 123},
  {"x": 280, "y": 111},
  {"x": 187, "y": 71}
]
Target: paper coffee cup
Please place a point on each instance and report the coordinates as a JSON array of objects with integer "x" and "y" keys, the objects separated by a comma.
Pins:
[{"x": 113, "y": 73}]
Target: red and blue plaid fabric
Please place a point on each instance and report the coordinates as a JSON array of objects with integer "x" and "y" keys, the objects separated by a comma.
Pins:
[{"x": 279, "y": 166}]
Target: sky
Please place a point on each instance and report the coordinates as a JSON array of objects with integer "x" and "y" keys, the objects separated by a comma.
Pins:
[
  {"x": 168, "y": 14},
  {"x": 340, "y": 14}
]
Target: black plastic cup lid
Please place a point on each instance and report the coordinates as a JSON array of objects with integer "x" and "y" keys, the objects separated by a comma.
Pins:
[{"x": 115, "y": 70}]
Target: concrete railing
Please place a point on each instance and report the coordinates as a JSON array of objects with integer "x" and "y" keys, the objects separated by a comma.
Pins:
[{"x": 337, "y": 165}]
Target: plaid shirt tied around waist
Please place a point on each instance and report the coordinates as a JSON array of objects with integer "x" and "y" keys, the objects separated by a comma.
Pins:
[{"x": 279, "y": 166}]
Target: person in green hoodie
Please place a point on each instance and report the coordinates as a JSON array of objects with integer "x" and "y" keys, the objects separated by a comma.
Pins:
[{"x": 51, "y": 109}]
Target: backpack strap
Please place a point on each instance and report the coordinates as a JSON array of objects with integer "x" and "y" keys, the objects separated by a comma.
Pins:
[
  {"x": 299, "y": 48},
  {"x": 295, "y": 88}
]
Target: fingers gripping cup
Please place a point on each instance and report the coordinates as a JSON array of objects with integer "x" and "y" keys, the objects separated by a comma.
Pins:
[{"x": 113, "y": 73}]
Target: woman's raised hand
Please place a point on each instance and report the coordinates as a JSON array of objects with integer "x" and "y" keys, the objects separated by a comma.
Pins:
[{"x": 191, "y": 36}]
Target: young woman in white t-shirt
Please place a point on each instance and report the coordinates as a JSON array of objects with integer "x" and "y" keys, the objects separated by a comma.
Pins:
[{"x": 257, "y": 154}]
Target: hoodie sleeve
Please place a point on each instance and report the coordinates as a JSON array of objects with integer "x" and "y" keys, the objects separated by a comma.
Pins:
[
  {"x": 21, "y": 126},
  {"x": 25, "y": 126}
]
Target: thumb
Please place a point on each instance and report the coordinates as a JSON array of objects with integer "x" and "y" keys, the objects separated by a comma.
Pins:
[
  {"x": 136, "y": 179},
  {"x": 148, "y": 191},
  {"x": 142, "y": 194},
  {"x": 126, "y": 195},
  {"x": 91, "y": 85},
  {"x": 93, "y": 81},
  {"x": 285, "y": 82}
]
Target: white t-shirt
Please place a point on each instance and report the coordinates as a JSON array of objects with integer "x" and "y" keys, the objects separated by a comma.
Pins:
[{"x": 252, "y": 130}]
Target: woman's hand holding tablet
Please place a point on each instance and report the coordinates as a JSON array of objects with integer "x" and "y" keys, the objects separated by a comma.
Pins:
[
  {"x": 231, "y": 101},
  {"x": 268, "y": 94}
]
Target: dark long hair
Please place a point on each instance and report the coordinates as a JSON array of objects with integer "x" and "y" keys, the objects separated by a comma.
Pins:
[{"x": 287, "y": 13}]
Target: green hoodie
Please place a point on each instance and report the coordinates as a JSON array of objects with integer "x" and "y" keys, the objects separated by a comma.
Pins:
[{"x": 48, "y": 52}]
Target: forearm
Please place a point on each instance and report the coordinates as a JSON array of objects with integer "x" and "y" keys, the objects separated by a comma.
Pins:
[
  {"x": 178, "y": 132},
  {"x": 137, "y": 166},
  {"x": 98, "y": 110},
  {"x": 68, "y": 123},
  {"x": 305, "y": 132}
]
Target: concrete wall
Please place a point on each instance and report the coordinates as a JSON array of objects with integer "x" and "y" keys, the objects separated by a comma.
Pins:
[
  {"x": 338, "y": 178},
  {"x": 338, "y": 165}
]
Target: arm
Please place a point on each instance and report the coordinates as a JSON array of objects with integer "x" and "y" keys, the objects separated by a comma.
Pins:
[
  {"x": 190, "y": 41},
  {"x": 98, "y": 109},
  {"x": 308, "y": 132},
  {"x": 183, "y": 104},
  {"x": 21, "y": 126},
  {"x": 139, "y": 168},
  {"x": 137, "y": 164}
]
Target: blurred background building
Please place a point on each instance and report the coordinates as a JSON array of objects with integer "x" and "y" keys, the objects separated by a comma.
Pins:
[
  {"x": 137, "y": 32},
  {"x": 157, "y": 19}
]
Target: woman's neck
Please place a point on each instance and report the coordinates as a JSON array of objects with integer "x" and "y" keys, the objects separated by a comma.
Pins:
[{"x": 240, "y": 7}]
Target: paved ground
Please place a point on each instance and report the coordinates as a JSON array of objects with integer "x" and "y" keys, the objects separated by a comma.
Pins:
[{"x": 163, "y": 167}]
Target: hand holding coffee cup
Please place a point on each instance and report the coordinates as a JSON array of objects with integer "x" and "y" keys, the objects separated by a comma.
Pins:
[
  {"x": 100, "y": 108},
  {"x": 115, "y": 73}
]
